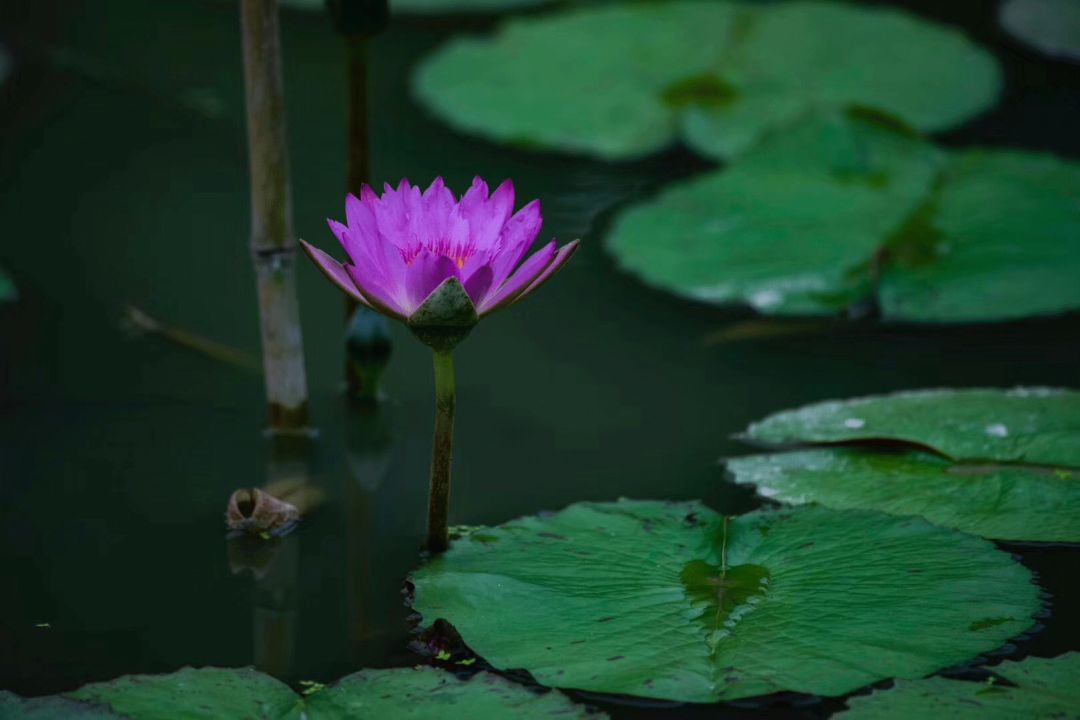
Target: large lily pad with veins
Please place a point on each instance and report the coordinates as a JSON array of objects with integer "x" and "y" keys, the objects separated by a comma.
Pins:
[
  {"x": 626, "y": 80},
  {"x": 1033, "y": 688},
  {"x": 793, "y": 226},
  {"x": 1002, "y": 242},
  {"x": 1024, "y": 425},
  {"x": 673, "y": 601},
  {"x": 1000, "y": 501}
]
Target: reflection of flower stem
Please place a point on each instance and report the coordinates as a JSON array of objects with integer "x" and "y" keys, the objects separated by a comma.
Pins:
[
  {"x": 441, "y": 453},
  {"x": 273, "y": 245}
]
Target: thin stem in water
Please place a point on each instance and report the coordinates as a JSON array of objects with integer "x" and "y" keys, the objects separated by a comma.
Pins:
[{"x": 441, "y": 453}]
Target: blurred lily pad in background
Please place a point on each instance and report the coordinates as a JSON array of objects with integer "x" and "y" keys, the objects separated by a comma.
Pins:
[
  {"x": 226, "y": 694},
  {"x": 792, "y": 227},
  {"x": 1051, "y": 26},
  {"x": 817, "y": 218},
  {"x": 1034, "y": 688},
  {"x": 627, "y": 80},
  {"x": 673, "y": 601},
  {"x": 1001, "y": 464},
  {"x": 1003, "y": 242}
]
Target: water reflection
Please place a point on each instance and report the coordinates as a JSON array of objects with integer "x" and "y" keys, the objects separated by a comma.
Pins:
[
  {"x": 262, "y": 542},
  {"x": 368, "y": 444}
]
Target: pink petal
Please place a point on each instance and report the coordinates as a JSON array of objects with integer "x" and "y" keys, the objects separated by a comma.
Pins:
[
  {"x": 333, "y": 271},
  {"x": 564, "y": 254},
  {"x": 517, "y": 237},
  {"x": 477, "y": 285},
  {"x": 486, "y": 220},
  {"x": 476, "y": 195},
  {"x": 358, "y": 254},
  {"x": 361, "y": 219},
  {"x": 426, "y": 273},
  {"x": 529, "y": 271},
  {"x": 391, "y": 218},
  {"x": 380, "y": 297}
]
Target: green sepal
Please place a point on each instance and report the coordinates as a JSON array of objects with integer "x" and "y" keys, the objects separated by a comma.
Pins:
[{"x": 445, "y": 318}]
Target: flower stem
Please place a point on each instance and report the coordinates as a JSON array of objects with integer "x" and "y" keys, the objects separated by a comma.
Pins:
[{"x": 441, "y": 453}]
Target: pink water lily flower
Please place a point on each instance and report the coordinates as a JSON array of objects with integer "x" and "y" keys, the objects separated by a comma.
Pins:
[{"x": 406, "y": 245}]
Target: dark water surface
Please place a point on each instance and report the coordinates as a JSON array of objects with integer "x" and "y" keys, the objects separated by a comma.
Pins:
[{"x": 123, "y": 174}]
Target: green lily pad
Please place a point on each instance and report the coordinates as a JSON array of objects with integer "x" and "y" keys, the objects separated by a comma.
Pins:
[
  {"x": 626, "y": 80},
  {"x": 422, "y": 693},
  {"x": 995, "y": 501},
  {"x": 587, "y": 80},
  {"x": 209, "y": 693},
  {"x": 1029, "y": 425},
  {"x": 1038, "y": 688},
  {"x": 204, "y": 692},
  {"x": 792, "y": 227},
  {"x": 13, "y": 707},
  {"x": 1051, "y": 26},
  {"x": 1004, "y": 242},
  {"x": 673, "y": 601},
  {"x": 798, "y": 56}
]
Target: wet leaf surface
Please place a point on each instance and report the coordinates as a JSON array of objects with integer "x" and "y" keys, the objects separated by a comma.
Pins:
[
  {"x": 622, "y": 598},
  {"x": 995, "y": 501},
  {"x": 1023, "y": 425}
]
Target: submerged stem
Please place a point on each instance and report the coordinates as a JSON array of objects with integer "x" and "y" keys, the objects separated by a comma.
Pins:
[{"x": 441, "y": 453}]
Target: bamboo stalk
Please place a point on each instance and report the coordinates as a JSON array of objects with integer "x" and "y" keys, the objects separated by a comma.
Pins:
[{"x": 273, "y": 243}]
